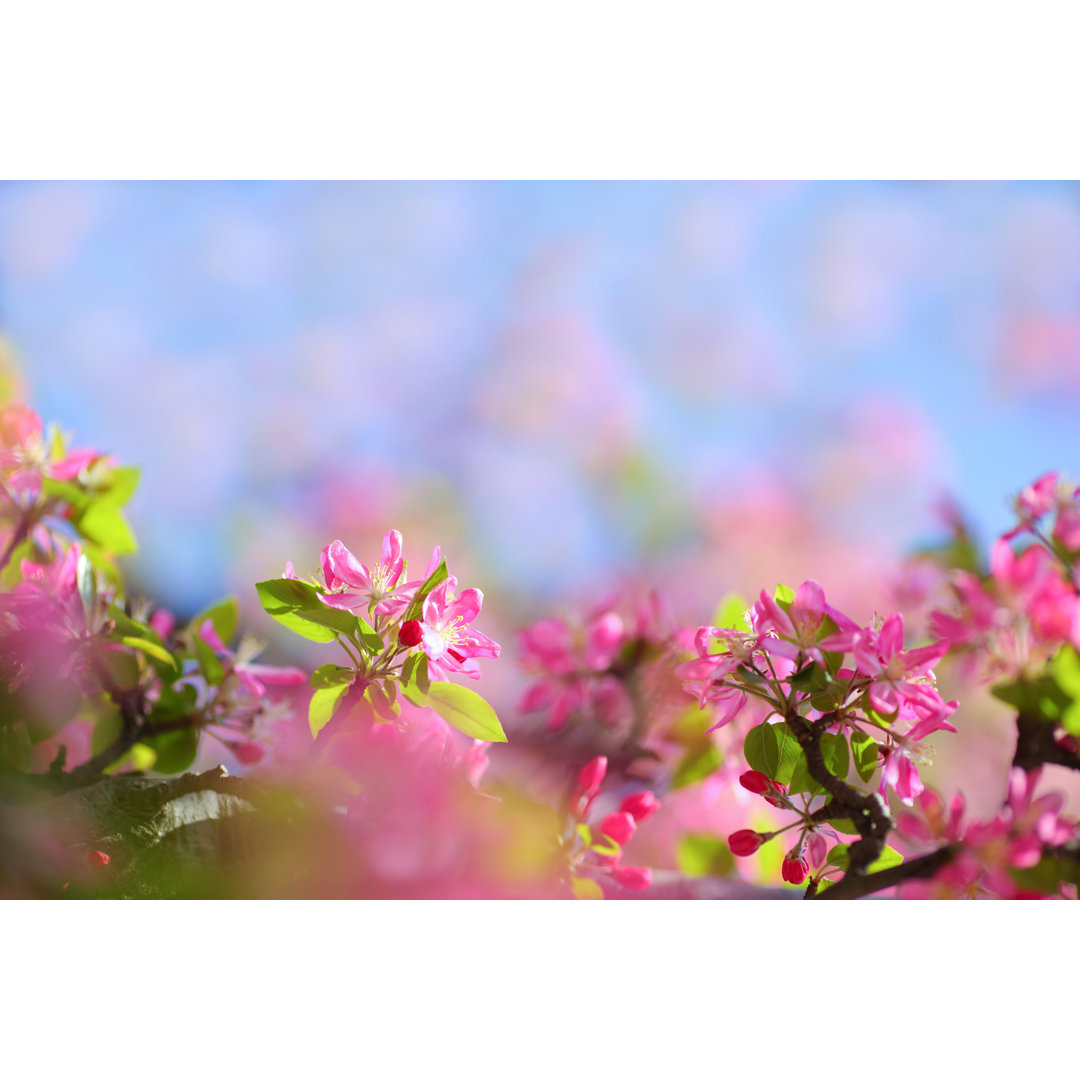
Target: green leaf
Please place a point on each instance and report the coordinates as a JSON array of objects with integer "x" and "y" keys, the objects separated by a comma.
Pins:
[
  {"x": 834, "y": 749},
  {"x": 386, "y": 709},
  {"x": 296, "y": 605},
  {"x": 123, "y": 481},
  {"x": 103, "y": 523},
  {"x": 86, "y": 582},
  {"x": 330, "y": 675},
  {"x": 107, "y": 726},
  {"x": 784, "y": 596},
  {"x": 702, "y": 855},
  {"x": 889, "y": 857},
  {"x": 211, "y": 667},
  {"x": 323, "y": 705},
  {"x": 773, "y": 750},
  {"x": 604, "y": 845},
  {"x": 864, "y": 749},
  {"x": 416, "y": 609},
  {"x": 151, "y": 648},
  {"x": 174, "y": 702},
  {"x": 1044, "y": 877},
  {"x": 75, "y": 496},
  {"x": 466, "y": 710},
  {"x": 414, "y": 681},
  {"x": 175, "y": 750},
  {"x": 698, "y": 762},
  {"x": 223, "y": 617},
  {"x": 586, "y": 889}
]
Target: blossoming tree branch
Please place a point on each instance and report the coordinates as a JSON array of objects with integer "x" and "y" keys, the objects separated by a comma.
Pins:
[{"x": 381, "y": 771}]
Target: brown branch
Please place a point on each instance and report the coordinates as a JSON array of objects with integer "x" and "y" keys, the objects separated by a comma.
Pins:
[
  {"x": 1035, "y": 744},
  {"x": 854, "y": 886},
  {"x": 868, "y": 813}
]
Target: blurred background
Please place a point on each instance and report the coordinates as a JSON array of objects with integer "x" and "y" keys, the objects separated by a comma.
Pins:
[
  {"x": 565, "y": 384},
  {"x": 574, "y": 388}
]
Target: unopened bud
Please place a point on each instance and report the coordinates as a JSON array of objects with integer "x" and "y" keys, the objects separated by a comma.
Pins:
[
  {"x": 794, "y": 870},
  {"x": 592, "y": 776},
  {"x": 632, "y": 877},
  {"x": 640, "y": 805},
  {"x": 755, "y": 781},
  {"x": 249, "y": 753},
  {"x": 620, "y": 827},
  {"x": 410, "y": 633},
  {"x": 745, "y": 842}
]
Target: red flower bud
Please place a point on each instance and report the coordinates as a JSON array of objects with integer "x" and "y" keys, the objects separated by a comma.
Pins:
[
  {"x": 640, "y": 805},
  {"x": 794, "y": 870},
  {"x": 755, "y": 781},
  {"x": 744, "y": 842},
  {"x": 632, "y": 877},
  {"x": 410, "y": 634},
  {"x": 592, "y": 776},
  {"x": 249, "y": 753},
  {"x": 97, "y": 859},
  {"x": 620, "y": 827}
]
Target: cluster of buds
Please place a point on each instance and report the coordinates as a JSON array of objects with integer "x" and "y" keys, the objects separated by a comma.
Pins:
[
  {"x": 812, "y": 848},
  {"x": 597, "y": 850}
]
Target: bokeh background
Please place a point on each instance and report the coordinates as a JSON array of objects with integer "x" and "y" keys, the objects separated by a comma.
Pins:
[{"x": 563, "y": 382}]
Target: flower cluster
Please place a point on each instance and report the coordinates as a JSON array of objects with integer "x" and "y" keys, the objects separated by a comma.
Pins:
[
  {"x": 420, "y": 632},
  {"x": 999, "y": 858},
  {"x": 1010, "y": 622}
]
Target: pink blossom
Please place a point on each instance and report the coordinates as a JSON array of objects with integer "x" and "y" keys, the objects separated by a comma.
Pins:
[
  {"x": 29, "y": 455},
  {"x": 352, "y": 586},
  {"x": 449, "y": 642},
  {"x": 900, "y": 675}
]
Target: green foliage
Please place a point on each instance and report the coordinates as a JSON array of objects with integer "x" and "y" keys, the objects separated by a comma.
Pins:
[
  {"x": 324, "y": 703},
  {"x": 174, "y": 751},
  {"x": 466, "y": 710},
  {"x": 699, "y": 761},
  {"x": 773, "y": 750},
  {"x": 416, "y": 609},
  {"x": 864, "y": 751},
  {"x": 834, "y": 750},
  {"x": 223, "y": 616},
  {"x": 296, "y": 604},
  {"x": 1054, "y": 696},
  {"x": 889, "y": 857},
  {"x": 414, "y": 682},
  {"x": 702, "y": 855}
]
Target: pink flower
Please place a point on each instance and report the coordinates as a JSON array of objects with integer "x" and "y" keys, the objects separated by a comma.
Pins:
[
  {"x": 799, "y": 629},
  {"x": 448, "y": 640},
  {"x": 352, "y": 586},
  {"x": 29, "y": 455},
  {"x": 900, "y": 675}
]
